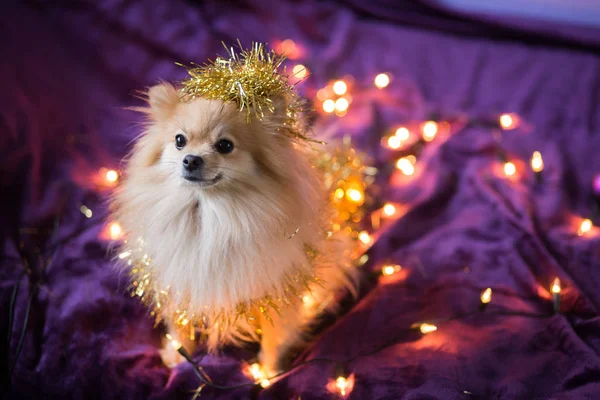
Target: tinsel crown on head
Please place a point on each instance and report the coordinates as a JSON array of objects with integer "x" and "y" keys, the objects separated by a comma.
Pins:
[{"x": 250, "y": 78}]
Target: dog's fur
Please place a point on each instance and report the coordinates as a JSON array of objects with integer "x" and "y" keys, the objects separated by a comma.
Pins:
[{"x": 218, "y": 245}]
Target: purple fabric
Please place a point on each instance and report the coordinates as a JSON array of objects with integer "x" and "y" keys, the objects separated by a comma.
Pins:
[{"x": 69, "y": 70}]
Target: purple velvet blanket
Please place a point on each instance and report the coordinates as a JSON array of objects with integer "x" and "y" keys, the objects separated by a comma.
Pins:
[{"x": 70, "y": 68}]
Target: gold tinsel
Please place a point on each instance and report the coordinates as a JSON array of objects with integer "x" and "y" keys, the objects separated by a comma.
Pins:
[{"x": 251, "y": 79}]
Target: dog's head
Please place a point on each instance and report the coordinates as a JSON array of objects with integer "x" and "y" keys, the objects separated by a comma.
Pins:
[{"x": 210, "y": 145}]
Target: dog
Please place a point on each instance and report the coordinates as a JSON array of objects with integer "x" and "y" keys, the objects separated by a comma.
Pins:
[{"x": 231, "y": 211}]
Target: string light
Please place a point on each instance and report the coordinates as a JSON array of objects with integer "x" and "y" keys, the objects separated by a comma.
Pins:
[
  {"x": 343, "y": 385},
  {"x": 403, "y": 164},
  {"x": 300, "y": 71},
  {"x": 537, "y": 163},
  {"x": 402, "y": 133},
  {"x": 394, "y": 142},
  {"x": 174, "y": 342},
  {"x": 509, "y": 168},
  {"x": 341, "y": 104},
  {"x": 382, "y": 80},
  {"x": 86, "y": 211},
  {"x": 354, "y": 195},
  {"x": 555, "y": 289},
  {"x": 430, "y": 129},
  {"x": 329, "y": 106},
  {"x": 389, "y": 209},
  {"x": 115, "y": 231},
  {"x": 365, "y": 237},
  {"x": 509, "y": 121},
  {"x": 112, "y": 176},
  {"x": 426, "y": 328},
  {"x": 388, "y": 270},
  {"x": 340, "y": 87},
  {"x": 586, "y": 226},
  {"x": 308, "y": 300},
  {"x": 486, "y": 296}
]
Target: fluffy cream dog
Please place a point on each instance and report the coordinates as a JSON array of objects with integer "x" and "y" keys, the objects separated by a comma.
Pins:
[{"x": 231, "y": 211}]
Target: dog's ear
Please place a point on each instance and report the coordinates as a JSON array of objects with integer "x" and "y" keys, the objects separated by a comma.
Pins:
[{"x": 162, "y": 99}]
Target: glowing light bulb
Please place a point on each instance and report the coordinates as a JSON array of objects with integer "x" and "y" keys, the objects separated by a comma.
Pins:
[
  {"x": 382, "y": 80},
  {"x": 509, "y": 121},
  {"x": 340, "y": 87},
  {"x": 265, "y": 383},
  {"x": 402, "y": 133},
  {"x": 115, "y": 230},
  {"x": 339, "y": 193},
  {"x": 354, "y": 195},
  {"x": 486, "y": 296},
  {"x": 509, "y": 168},
  {"x": 389, "y": 209},
  {"x": 300, "y": 71},
  {"x": 537, "y": 163},
  {"x": 329, "y": 106},
  {"x": 364, "y": 237},
  {"x": 586, "y": 226},
  {"x": 174, "y": 342},
  {"x": 342, "y": 384},
  {"x": 404, "y": 165},
  {"x": 388, "y": 270},
  {"x": 555, "y": 288},
  {"x": 341, "y": 104},
  {"x": 308, "y": 300},
  {"x": 256, "y": 371},
  {"x": 430, "y": 129},
  {"x": 394, "y": 142},
  {"x": 86, "y": 211},
  {"x": 112, "y": 175},
  {"x": 426, "y": 328}
]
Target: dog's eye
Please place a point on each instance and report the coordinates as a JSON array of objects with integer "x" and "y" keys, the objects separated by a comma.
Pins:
[
  {"x": 180, "y": 141},
  {"x": 224, "y": 146}
]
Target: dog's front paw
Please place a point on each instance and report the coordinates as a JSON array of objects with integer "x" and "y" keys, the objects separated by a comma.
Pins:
[{"x": 170, "y": 356}]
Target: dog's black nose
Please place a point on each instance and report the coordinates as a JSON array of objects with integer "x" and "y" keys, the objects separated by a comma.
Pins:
[{"x": 192, "y": 163}]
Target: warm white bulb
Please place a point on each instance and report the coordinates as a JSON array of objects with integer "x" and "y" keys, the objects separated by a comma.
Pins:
[
  {"x": 364, "y": 237},
  {"x": 404, "y": 165},
  {"x": 341, "y": 104},
  {"x": 382, "y": 80},
  {"x": 174, "y": 342},
  {"x": 264, "y": 383},
  {"x": 427, "y": 328},
  {"x": 115, "y": 230},
  {"x": 389, "y": 209},
  {"x": 430, "y": 129},
  {"x": 342, "y": 384},
  {"x": 329, "y": 106},
  {"x": 112, "y": 176},
  {"x": 402, "y": 133},
  {"x": 586, "y": 226},
  {"x": 508, "y": 121},
  {"x": 537, "y": 163},
  {"x": 394, "y": 142},
  {"x": 509, "y": 168},
  {"x": 300, "y": 71},
  {"x": 388, "y": 270},
  {"x": 555, "y": 286},
  {"x": 354, "y": 195},
  {"x": 340, "y": 88},
  {"x": 486, "y": 296}
]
